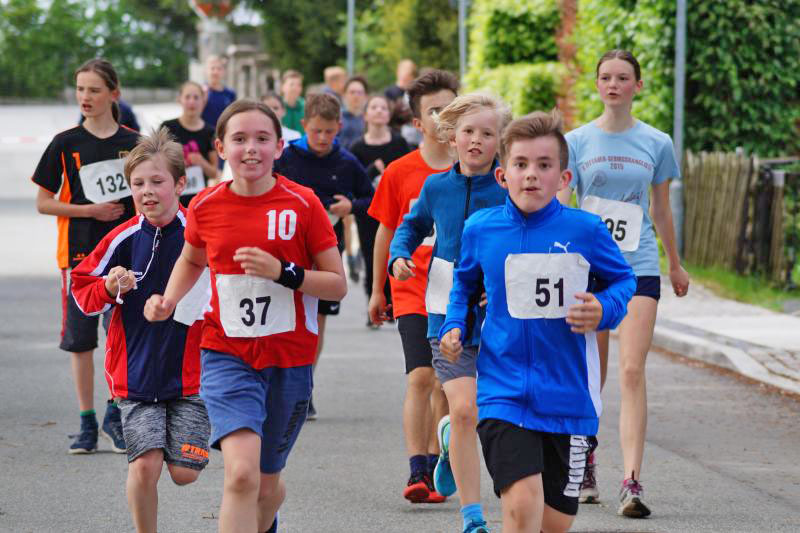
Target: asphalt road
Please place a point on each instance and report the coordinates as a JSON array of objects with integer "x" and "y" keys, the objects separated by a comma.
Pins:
[{"x": 722, "y": 454}]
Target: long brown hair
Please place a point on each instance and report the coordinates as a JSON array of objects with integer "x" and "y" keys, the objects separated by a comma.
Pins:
[{"x": 104, "y": 69}]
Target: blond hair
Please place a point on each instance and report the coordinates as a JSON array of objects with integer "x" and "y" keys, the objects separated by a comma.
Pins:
[
  {"x": 158, "y": 143},
  {"x": 447, "y": 120},
  {"x": 532, "y": 126}
]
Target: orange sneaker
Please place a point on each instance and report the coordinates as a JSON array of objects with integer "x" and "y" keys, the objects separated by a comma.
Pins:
[{"x": 417, "y": 490}]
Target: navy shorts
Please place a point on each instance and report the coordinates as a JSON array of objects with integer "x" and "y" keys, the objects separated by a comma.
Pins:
[
  {"x": 78, "y": 331},
  {"x": 272, "y": 402},
  {"x": 649, "y": 286}
]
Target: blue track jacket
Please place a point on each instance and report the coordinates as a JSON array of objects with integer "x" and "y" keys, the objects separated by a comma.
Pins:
[
  {"x": 447, "y": 199},
  {"x": 534, "y": 372}
]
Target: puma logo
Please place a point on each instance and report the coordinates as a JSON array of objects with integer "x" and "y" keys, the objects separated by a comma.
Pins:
[
  {"x": 290, "y": 268},
  {"x": 562, "y": 246}
]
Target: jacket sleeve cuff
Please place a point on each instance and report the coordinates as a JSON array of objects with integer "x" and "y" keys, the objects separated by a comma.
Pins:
[
  {"x": 453, "y": 323},
  {"x": 102, "y": 293}
]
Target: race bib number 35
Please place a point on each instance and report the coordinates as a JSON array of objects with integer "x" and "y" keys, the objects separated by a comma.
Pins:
[
  {"x": 251, "y": 306},
  {"x": 544, "y": 285},
  {"x": 104, "y": 181},
  {"x": 623, "y": 220}
]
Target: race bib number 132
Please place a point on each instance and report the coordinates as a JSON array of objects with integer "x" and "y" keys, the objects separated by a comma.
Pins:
[{"x": 104, "y": 181}]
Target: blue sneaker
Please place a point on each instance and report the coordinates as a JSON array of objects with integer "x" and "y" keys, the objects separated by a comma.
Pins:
[
  {"x": 443, "y": 479},
  {"x": 86, "y": 440},
  {"x": 477, "y": 526},
  {"x": 274, "y": 527},
  {"x": 112, "y": 428}
]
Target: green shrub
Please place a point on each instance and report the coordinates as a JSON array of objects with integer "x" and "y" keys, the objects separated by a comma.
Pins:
[{"x": 525, "y": 87}]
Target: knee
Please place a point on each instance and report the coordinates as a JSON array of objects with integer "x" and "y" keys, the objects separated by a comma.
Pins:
[
  {"x": 464, "y": 414},
  {"x": 521, "y": 510},
  {"x": 183, "y": 476},
  {"x": 631, "y": 373},
  {"x": 242, "y": 477},
  {"x": 271, "y": 489},
  {"x": 420, "y": 380},
  {"x": 146, "y": 469}
]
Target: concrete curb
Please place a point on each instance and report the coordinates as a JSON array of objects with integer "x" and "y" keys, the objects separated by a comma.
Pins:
[{"x": 718, "y": 354}]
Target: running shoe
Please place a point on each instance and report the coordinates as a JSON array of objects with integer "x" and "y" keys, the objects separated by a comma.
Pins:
[
  {"x": 274, "y": 527},
  {"x": 443, "y": 478},
  {"x": 86, "y": 440},
  {"x": 630, "y": 500},
  {"x": 353, "y": 267},
  {"x": 417, "y": 490},
  {"x": 312, "y": 413},
  {"x": 433, "y": 496},
  {"x": 589, "y": 493},
  {"x": 112, "y": 428},
  {"x": 477, "y": 526}
]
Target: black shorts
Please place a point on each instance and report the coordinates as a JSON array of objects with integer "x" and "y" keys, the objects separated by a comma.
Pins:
[
  {"x": 513, "y": 453},
  {"x": 78, "y": 331},
  {"x": 414, "y": 335},
  {"x": 327, "y": 307},
  {"x": 645, "y": 286}
]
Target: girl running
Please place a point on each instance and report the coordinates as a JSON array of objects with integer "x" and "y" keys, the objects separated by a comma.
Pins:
[
  {"x": 84, "y": 167},
  {"x": 375, "y": 150},
  {"x": 197, "y": 139},
  {"x": 616, "y": 160},
  {"x": 272, "y": 253}
]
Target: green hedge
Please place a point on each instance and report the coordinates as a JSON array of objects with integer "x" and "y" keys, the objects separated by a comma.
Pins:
[
  {"x": 743, "y": 76},
  {"x": 510, "y": 31},
  {"x": 646, "y": 28},
  {"x": 525, "y": 87}
]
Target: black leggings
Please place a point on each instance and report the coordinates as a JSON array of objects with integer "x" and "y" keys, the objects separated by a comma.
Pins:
[{"x": 367, "y": 228}]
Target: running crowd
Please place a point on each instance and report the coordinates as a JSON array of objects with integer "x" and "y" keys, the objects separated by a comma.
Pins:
[{"x": 215, "y": 285}]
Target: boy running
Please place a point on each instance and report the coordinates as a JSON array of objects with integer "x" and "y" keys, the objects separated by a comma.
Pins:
[
  {"x": 538, "y": 366},
  {"x": 153, "y": 370},
  {"x": 397, "y": 192}
]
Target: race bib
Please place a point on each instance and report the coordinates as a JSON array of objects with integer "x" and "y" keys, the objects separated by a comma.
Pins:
[
  {"x": 251, "y": 306},
  {"x": 623, "y": 220},
  {"x": 104, "y": 181},
  {"x": 196, "y": 302},
  {"x": 440, "y": 282},
  {"x": 430, "y": 240},
  {"x": 195, "y": 181},
  {"x": 544, "y": 285}
]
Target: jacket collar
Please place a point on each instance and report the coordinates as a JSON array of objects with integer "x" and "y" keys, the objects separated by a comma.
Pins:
[
  {"x": 537, "y": 217},
  {"x": 176, "y": 224},
  {"x": 478, "y": 181},
  {"x": 301, "y": 145}
]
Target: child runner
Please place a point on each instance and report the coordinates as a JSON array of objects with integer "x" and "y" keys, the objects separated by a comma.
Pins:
[
  {"x": 291, "y": 89},
  {"x": 398, "y": 190},
  {"x": 84, "y": 166},
  {"x": 354, "y": 104},
  {"x": 218, "y": 97},
  {"x": 272, "y": 253},
  {"x": 616, "y": 160},
  {"x": 274, "y": 102},
  {"x": 197, "y": 139},
  {"x": 538, "y": 378},
  {"x": 318, "y": 161},
  {"x": 472, "y": 124},
  {"x": 377, "y": 148},
  {"x": 153, "y": 370}
]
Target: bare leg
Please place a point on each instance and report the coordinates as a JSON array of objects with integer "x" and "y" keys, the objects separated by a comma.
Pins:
[
  {"x": 523, "y": 505},
  {"x": 321, "y": 337},
  {"x": 602, "y": 348},
  {"x": 241, "y": 451},
  {"x": 439, "y": 409},
  {"x": 271, "y": 494},
  {"x": 464, "y": 458},
  {"x": 83, "y": 375},
  {"x": 142, "y": 489},
  {"x": 417, "y": 410}
]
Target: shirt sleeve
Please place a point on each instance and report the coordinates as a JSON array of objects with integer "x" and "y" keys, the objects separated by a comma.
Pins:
[
  {"x": 666, "y": 163},
  {"x": 191, "y": 233},
  {"x": 88, "y": 285},
  {"x": 386, "y": 203},
  {"x": 609, "y": 265},
  {"x": 466, "y": 279},
  {"x": 320, "y": 235},
  {"x": 416, "y": 225},
  {"x": 50, "y": 171}
]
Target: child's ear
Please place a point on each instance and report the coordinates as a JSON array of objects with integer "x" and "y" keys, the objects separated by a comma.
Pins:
[
  {"x": 220, "y": 148},
  {"x": 180, "y": 185},
  {"x": 500, "y": 176},
  {"x": 566, "y": 177}
]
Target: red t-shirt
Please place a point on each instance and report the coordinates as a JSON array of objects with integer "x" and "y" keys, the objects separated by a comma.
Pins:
[
  {"x": 254, "y": 318},
  {"x": 397, "y": 191}
]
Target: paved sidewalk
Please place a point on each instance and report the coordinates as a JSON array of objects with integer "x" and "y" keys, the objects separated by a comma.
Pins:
[{"x": 753, "y": 341}]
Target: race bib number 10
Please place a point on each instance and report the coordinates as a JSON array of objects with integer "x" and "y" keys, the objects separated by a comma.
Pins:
[
  {"x": 251, "y": 306},
  {"x": 623, "y": 220},
  {"x": 104, "y": 181},
  {"x": 544, "y": 285}
]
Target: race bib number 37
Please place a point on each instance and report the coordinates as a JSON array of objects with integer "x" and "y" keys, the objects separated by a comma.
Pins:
[
  {"x": 623, "y": 220},
  {"x": 544, "y": 285},
  {"x": 250, "y": 306},
  {"x": 104, "y": 181}
]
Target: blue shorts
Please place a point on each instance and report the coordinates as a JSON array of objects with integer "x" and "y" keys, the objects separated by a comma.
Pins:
[
  {"x": 649, "y": 286},
  {"x": 272, "y": 402}
]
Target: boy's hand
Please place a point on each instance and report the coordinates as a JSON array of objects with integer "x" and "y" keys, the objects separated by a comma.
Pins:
[
  {"x": 194, "y": 158},
  {"x": 379, "y": 165},
  {"x": 257, "y": 262},
  {"x": 106, "y": 211},
  {"x": 157, "y": 308},
  {"x": 484, "y": 300},
  {"x": 378, "y": 310},
  {"x": 403, "y": 269},
  {"x": 450, "y": 346},
  {"x": 680, "y": 280},
  {"x": 119, "y": 281},
  {"x": 585, "y": 317},
  {"x": 341, "y": 207}
]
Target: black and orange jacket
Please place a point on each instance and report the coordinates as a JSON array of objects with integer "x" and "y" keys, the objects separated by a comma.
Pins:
[{"x": 58, "y": 172}]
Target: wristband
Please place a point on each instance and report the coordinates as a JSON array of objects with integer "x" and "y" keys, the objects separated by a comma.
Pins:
[{"x": 292, "y": 275}]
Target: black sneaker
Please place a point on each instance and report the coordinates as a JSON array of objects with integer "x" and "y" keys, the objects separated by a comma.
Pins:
[
  {"x": 312, "y": 413},
  {"x": 86, "y": 440},
  {"x": 354, "y": 267},
  {"x": 112, "y": 428}
]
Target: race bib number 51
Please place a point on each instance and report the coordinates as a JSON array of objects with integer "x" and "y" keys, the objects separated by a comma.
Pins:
[
  {"x": 623, "y": 220},
  {"x": 251, "y": 306},
  {"x": 544, "y": 285},
  {"x": 104, "y": 181}
]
